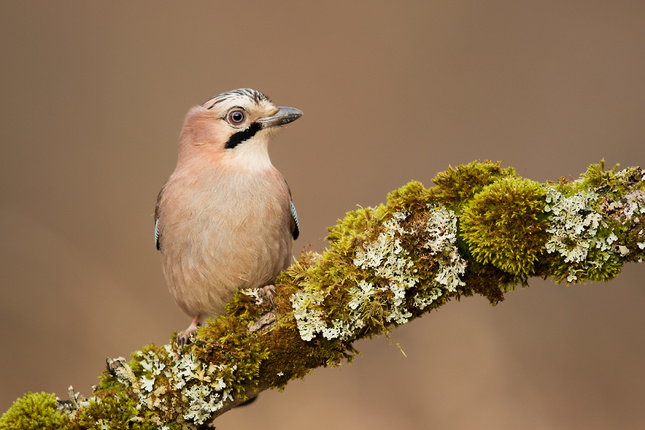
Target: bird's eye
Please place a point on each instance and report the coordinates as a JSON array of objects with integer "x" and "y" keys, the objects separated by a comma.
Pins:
[{"x": 236, "y": 117}]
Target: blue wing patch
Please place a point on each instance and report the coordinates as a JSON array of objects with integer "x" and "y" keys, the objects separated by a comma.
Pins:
[
  {"x": 157, "y": 244},
  {"x": 294, "y": 215}
]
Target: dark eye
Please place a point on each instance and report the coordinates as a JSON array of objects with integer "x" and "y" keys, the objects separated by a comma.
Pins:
[{"x": 236, "y": 117}]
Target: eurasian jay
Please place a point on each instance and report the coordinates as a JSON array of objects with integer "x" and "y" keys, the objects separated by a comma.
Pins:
[{"x": 225, "y": 220}]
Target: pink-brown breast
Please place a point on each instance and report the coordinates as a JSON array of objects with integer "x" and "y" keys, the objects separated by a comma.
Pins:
[{"x": 222, "y": 231}]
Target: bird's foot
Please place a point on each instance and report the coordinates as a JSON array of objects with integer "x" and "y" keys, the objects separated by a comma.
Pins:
[
  {"x": 184, "y": 337},
  {"x": 266, "y": 292}
]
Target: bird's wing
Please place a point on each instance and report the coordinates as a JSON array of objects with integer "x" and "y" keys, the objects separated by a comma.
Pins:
[
  {"x": 295, "y": 224},
  {"x": 157, "y": 210},
  {"x": 157, "y": 244}
]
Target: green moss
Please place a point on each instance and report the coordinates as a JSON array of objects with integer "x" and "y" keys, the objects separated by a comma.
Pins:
[
  {"x": 613, "y": 183},
  {"x": 504, "y": 225},
  {"x": 488, "y": 281},
  {"x": 410, "y": 197},
  {"x": 457, "y": 185},
  {"x": 226, "y": 340},
  {"x": 115, "y": 409},
  {"x": 35, "y": 411},
  {"x": 598, "y": 178},
  {"x": 357, "y": 226}
]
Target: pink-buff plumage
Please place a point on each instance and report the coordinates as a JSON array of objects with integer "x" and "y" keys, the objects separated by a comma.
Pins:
[{"x": 225, "y": 220}]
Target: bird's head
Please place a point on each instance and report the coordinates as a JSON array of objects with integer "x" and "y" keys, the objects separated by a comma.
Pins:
[{"x": 234, "y": 126}]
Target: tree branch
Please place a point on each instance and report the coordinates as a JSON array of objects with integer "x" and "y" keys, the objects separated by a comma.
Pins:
[{"x": 481, "y": 230}]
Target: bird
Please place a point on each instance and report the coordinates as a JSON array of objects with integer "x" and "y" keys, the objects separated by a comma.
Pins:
[{"x": 225, "y": 219}]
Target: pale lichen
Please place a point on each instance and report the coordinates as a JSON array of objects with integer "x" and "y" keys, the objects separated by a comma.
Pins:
[
  {"x": 585, "y": 231},
  {"x": 573, "y": 226},
  {"x": 201, "y": 384},
  {"x": 206, "y": 392},
  {"x": 388, "y": 273},
  {"x": 442, "y": 243},
  {"x": 253, "y": 293},
  {"x": 308, "y": 316},
  {"x": 387, "y": 260},
  {"x": 203, "y": 400},
  {"x": 383, "y": 259}
]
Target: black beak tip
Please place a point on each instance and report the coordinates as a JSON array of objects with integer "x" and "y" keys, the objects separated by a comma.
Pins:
[
  {"x": 285, "y": 115},
  {"x": 289, "y": 114}
]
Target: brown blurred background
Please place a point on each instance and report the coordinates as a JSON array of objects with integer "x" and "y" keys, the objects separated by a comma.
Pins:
[{"x": 92, "y": 98}]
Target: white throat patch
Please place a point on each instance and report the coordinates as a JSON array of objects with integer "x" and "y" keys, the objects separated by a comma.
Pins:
[{"x": 252, "y": 153}]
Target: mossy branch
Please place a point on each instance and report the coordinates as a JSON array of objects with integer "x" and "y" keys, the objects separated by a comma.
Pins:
[{"x": 481, "y": 229}]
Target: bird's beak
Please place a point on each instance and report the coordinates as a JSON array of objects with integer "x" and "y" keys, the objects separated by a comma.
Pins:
[{"x": 285, "y": 115}]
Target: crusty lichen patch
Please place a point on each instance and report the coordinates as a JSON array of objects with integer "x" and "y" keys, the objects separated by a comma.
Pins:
[
  {"x": 595, "y": 224},
  {"x": 386, "y": 286},
  {"x": 173, "y": 384},
  {"x": 440, "y": 240},
  {"x": 580, "y": 236}
]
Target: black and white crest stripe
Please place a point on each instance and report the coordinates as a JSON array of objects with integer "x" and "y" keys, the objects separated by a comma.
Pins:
[{"x": 252, "y": 94}]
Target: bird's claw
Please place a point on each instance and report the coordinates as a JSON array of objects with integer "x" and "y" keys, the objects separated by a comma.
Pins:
[
  {"x": 267, "y": 291},
  {"x": 183, "y": 337}
]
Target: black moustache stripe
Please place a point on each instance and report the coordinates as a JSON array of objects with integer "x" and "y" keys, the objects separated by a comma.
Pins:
[{"x": 242, "y": 136}]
